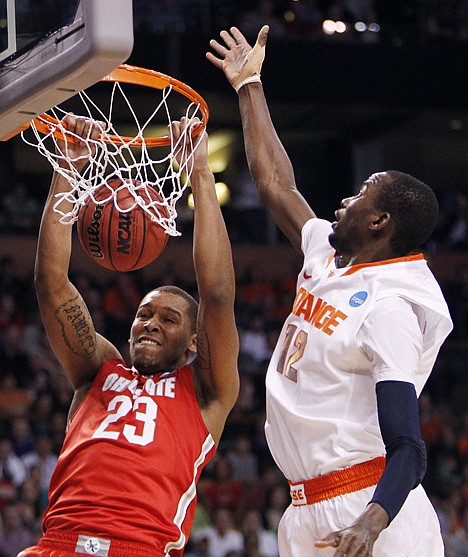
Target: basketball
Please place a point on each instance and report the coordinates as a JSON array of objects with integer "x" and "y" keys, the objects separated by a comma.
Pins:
[{"x": 118, "y": 239}]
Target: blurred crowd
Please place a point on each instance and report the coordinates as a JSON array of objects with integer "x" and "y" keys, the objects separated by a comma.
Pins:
[
  {"x": 367, "y": 21},
  {"x": 242, "y": 494}
]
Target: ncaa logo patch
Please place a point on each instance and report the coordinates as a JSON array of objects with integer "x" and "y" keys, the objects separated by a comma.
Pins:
[{"x": 358, "y": 299}]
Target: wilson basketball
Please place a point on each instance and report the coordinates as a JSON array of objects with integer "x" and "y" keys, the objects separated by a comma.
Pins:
[{"x": 118, "y": 239}]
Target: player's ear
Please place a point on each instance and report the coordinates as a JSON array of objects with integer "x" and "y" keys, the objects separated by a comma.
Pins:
[
  {"x": 192, "y": 348},
  {"x": 380, "y": 221}
]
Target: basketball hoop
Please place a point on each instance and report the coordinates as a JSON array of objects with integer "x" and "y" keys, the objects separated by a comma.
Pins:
[{"x": 130, "y": 158}]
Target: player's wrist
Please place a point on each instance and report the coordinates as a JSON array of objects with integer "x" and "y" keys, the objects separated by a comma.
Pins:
[
  {"x": 201, "y": 177},
  {"x": 247, "y": 81},
  {"x": 375, "y": 517},
  {"x": 252, "y": 68}
]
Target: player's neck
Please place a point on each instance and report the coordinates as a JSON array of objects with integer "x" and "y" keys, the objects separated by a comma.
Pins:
[
  {"x": 344, "y": 261},
  {"x": 365, "y": 256}
]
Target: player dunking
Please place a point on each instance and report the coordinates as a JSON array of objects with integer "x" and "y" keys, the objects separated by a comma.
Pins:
[
  {"x": 355, "y": 352},
  {"x": 138, "y": 437}
]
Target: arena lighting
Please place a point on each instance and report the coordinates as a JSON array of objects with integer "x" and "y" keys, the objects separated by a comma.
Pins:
[
  {"x": 289, "y": 16},
  {"x": 360, "y": 26},
  {"x": 220, "y": 145},
  {"x": 329, "y": 27},
  {"x": 340, "y": 27},
  {"x": 222, "y": 193}
]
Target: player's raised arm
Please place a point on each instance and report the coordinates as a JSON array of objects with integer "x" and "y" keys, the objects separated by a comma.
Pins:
[
  {"x": 217, "y": 338},
  {"x": 268, "y": 161},
  {"x": 70, "y": 329}
]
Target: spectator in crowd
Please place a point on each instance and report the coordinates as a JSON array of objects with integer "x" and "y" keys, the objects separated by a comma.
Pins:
[
  {"x": 222, "y": 490},
  {"x": 43, "y": 458},
  {"x": 452, "y": 230},
  {"x": 277, "y": 502},
  {"x": 458, "y": 544},
  {"x": 12, "y": 472},
  {"x": 201, "y": 548},
  {"x": 253, "y": 339},
  {"x": 263, "y": 540},
  {"x": 21, "y": 435},
  {"x": 222, "y": 536},
  {"x": 243, "y": 461},
  {"x": 15, "y": 536},
  {"x": 20, "y": 209},
  {"x": 28, "y": 504},
  {"x": 121, "y": 296}
]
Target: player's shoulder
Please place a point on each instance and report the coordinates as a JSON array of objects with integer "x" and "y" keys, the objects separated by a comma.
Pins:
[{"x": 315, "y": 233}]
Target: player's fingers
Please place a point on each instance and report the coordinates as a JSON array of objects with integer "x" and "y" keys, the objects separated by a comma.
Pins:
[
  {"x": 97, "y": 127},
  {"x": 218, "y": 47},
  {"x": 230, "y": 41},
  {"x": 174, "y": 130},
  {"x": 191, "y": 122},
  {"x": 82, "y": 128},
  {"x": 332, "y": 540},
  {"x": 69, "y": 121},
  {"x": 238, "y": 36},
  {"x": 215, "y": 61},
  {"x": 263, "y": 35}
]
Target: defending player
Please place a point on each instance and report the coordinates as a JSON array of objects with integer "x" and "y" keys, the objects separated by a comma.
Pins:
[
  {"x": 355, "y": 352},
  {"x": 138, "y": 437}
]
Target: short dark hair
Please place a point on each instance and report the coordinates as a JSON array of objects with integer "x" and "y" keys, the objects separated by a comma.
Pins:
[
  {"x": 192, "y": 303},
  {"x": 413, "y": 207}
]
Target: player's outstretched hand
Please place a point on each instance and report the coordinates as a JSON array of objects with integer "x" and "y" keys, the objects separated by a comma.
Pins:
[
  {"x": 240, "y": 62},
  {"x": 188, "y": 149}
]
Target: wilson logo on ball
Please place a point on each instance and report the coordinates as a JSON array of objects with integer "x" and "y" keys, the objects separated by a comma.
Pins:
[
  {"x": 116, "y": 232},
  {"x": 93, "y": 234}
]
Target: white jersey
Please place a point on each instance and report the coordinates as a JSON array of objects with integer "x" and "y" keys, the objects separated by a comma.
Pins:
[{"x": 349, "y": 328}]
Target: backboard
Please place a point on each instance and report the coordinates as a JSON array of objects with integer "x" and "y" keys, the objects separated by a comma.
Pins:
[{"x": 51, "y": 49}]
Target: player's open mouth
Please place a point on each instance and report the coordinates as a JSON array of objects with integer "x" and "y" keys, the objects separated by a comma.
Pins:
[{"x": 149, "y": 341}]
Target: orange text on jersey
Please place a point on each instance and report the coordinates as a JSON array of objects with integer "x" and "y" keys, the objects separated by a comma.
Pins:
[{"x": 317, "y": 312}]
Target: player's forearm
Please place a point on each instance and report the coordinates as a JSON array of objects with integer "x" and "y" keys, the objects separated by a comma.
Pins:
[
  {"x": 54, "y": 242},
  {"x": 268, "y": 161},
  {"x": 406, "y": 453},
  {"x": 211, "y": 246}
]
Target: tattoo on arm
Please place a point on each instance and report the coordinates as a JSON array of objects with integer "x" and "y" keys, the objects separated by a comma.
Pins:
[
  {"x": 76, "y": 327},
  {"x": 207, "y": 389}
]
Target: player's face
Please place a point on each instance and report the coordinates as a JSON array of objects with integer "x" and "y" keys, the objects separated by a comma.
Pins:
[
  {"x": 351, "y": 230},
  {"x": 161, "y": 337}
]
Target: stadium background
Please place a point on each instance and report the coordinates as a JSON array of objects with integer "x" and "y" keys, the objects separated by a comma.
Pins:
[{"x": 354, "y": 86}]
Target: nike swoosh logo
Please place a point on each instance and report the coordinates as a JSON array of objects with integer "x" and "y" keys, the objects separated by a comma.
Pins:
[{"x": 306, "y": 276}]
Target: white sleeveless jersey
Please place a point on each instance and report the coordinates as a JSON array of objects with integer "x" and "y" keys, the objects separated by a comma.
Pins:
[{"x": 349, "y": 328}]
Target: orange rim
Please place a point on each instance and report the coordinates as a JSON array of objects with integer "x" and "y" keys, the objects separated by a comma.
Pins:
[{"x": 137, "y": 76}]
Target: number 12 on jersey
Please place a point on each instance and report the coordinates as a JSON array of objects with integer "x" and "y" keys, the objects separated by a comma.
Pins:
[{"x": 291, "y": 352}]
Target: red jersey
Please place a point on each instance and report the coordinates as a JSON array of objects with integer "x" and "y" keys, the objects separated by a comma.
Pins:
[{"x": 131, "y": 459}]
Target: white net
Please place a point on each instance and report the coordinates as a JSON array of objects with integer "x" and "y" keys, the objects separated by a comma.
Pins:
[{"x": 114, "y": 156}]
